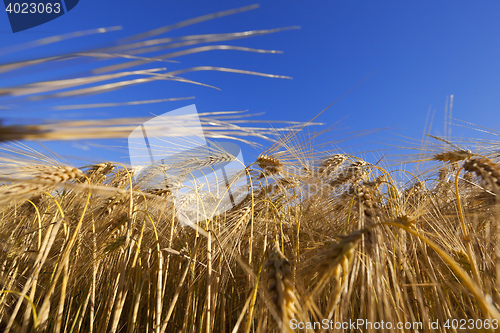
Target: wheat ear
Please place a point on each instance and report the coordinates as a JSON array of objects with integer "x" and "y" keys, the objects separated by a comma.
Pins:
[
  {"x": 486, "y": 169},
  {"x": 354, "y": 172},
  {"x": 453, "y": 156},
  {"x": 330, "y": 164},
  {"x": 269, "y": 165},
  {"x": 53, "y": 175},
  {"x": 334, "y": 260},
  {"x": 369, "y": 202},
  {"x": 281, "y": 286}
]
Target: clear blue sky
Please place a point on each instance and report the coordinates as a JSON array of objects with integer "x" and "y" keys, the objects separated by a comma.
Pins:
[{"x": 419, "y": 52}]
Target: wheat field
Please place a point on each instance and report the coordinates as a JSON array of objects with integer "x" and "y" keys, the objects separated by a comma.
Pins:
[{"x": 322, "y": 239}]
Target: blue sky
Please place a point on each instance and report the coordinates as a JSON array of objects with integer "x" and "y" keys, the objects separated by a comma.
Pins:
[{"x": 417, "y": 53}]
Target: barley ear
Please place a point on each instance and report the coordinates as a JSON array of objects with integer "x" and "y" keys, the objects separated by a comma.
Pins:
[
  {"x": 269, "y": 165},
  {"x": 335, "y": 260},
  {"x": 487, "y": 170},
  {"x": 281, "y": 286},
  {"x": 453, "y": 156}
]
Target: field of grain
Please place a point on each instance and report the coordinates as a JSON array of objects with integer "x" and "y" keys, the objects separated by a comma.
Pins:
[{"x": 323, "y": 238}]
